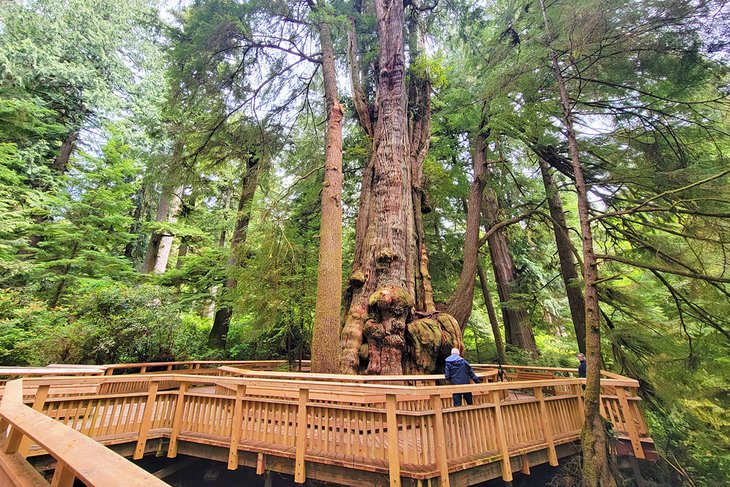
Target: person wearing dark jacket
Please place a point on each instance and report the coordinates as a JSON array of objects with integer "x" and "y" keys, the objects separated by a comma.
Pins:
[
  {"x": 458, "y": 371},
  {"x": 582, "y": 366}
]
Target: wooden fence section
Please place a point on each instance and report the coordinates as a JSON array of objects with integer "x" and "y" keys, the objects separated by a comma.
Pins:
[
  {"x": 72, "y": 451},
  {"x": 404, "y": 433}
]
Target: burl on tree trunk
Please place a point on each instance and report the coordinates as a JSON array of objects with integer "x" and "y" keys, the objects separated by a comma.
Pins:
[{"x": 391, "y": 325}]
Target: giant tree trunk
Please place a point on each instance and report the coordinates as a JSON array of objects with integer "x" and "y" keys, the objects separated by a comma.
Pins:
[
  {"x": 460, "y": 304},
  {"x": 596, "y": 470},
  {"x": 325, "y": 350},
  {"x": 380, "y": 320},
  {"x": 498, "y": 343},
  {"x": 222, "y": 320},
  {"x": 565, "y": 254},
  {"x": 517, "y": 328},
  {"x": 160, "y": 245}
]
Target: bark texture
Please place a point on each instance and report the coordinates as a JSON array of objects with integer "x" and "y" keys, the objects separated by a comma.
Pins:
[
  {"x": 517, "y": 328},
  {"x": 461, "y": 303},
  {"x": 325, "y": 350},
  {"x": 160, "y": 244},
  {"x": 568, "y": 270},
  {"x": 498, "y": 343},
  {"x": 224, "y": 313},
  {"x": 385, "y": 332},
  {"x": 596, "y": 471},
  {"x": 60, "y": 164}
]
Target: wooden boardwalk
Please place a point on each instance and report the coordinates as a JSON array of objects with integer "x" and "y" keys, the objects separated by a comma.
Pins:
[{"x": 350, "y": 430}]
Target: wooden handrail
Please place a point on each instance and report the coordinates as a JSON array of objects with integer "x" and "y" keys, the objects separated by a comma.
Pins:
[
  {"x": 72, "y": 450},
  {"x": 356, "y": 390},
  {"x": 111, "y": 368}
]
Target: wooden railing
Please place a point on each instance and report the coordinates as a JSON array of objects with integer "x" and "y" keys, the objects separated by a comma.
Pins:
[
  {"x": 411, "y": 431},
  {"x": 77, "y": 456},
  {"x": 147, "y": 367}
]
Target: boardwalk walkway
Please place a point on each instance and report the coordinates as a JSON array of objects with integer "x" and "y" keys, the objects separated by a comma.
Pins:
[{"x": 351, "y": 430}]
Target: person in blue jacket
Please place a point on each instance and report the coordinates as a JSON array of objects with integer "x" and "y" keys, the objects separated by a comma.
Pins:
[{"x": 458, "y": 371}]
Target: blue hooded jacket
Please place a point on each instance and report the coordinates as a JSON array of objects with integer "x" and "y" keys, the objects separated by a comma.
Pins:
[{"x": 458, "y": 370}]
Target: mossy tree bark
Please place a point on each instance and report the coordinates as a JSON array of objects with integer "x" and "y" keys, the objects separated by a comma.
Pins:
[
  {"x": 390, "y": 326},
  {"x": 325, "y": 350}
]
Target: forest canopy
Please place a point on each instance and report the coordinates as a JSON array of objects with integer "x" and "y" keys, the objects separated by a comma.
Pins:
[{"x": 216, "y": 179}]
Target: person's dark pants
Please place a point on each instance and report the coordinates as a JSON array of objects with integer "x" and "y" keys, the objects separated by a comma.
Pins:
[{"x": 466, "y": 395}]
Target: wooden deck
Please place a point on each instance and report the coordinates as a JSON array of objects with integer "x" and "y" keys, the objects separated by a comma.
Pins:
[{"x": 352, "y": 430}]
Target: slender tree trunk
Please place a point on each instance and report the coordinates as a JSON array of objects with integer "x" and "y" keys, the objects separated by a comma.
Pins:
[
  {"x": 182, "y": 252},
  {"x": 358, "y": 93},
  {"x": 460, "y": 304},
  {"x": 160, "y": 245},
  {"x": 596, "y": 471},
  {"x": 60, "y": 164},
  {"x": 498, "y": 343},
  {"x": 62, "y": 283},
  {"x": 568, "y": 263},
  {"x": 325, "y": 350},
  {"x": 419, "y": 133},
  {"x": 222, "y": 320},
  {"x": 517, "y": 328}
]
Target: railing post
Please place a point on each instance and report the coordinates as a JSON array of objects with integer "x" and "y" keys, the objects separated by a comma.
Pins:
[
  {"x": 439, "y": 438},
  {"x": 236, "y": 427},
  {"x": 501, "y": 438},
  {"x": 630, "y": 424},
  {"x": 40, "y": 400},
  {"x": 177, "y": 420},
  {"x": 393, "y": 447},
  {"x": 146, "y": 420},
  {"x": 62, "y": 476},
  {"x": 547, "y": 430},
  {"x": 300, "y": 473},
  {"x": 579, "y": 397}
]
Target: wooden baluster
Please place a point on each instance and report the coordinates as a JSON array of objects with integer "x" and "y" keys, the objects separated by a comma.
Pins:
[
  {"x": 260, "y": 464},
  {"x": 38, "y": 403},
  {"x": 146, "y": 420},
  {"x": 177, "y": 420},
  {"x": 12, "y": 442},
  {"x": 300, "y": 474},
  {"x": 236, "y": 427},
  {"x": 630, "y": 424},
  {"x": 393, "y": 448},
  {"x": 547, "y": 431},
  {"x": 501, "y": 438},
  {"x": 440, "y": 440},
  {"x": 578, "y": 389},
  {"x": 62, "y": 476}
]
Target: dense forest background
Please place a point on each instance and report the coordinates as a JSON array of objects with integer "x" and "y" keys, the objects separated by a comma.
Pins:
[{"x": 161, "y": 171}]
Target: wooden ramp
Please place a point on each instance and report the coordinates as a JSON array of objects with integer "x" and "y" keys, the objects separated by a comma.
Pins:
[{"x": 332, "y": 428}]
